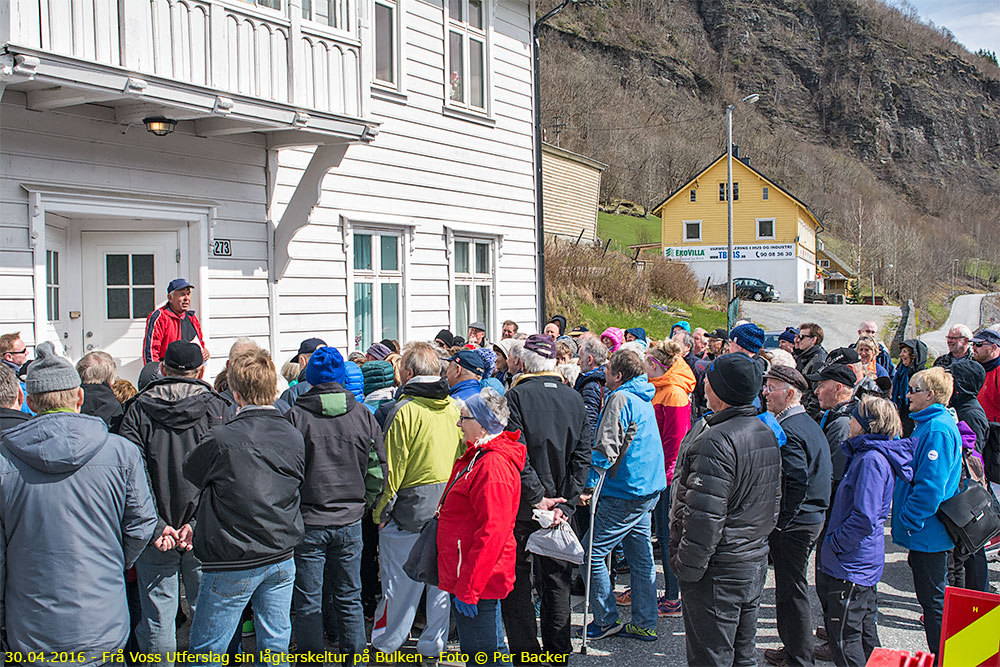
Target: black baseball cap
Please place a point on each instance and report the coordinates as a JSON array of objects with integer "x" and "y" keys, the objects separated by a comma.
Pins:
[
  {"x": 719, "y": 334},
  {"x": 987, "y": 336},
  {"x": 183, "y": 356},
  {"x": 308, "y": 346},
  {"x": 470, "y": 361},
  {"x": 841, "y": 373}
]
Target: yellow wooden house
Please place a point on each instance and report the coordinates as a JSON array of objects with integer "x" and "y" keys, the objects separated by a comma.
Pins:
[{"x": 774, "y": 233}]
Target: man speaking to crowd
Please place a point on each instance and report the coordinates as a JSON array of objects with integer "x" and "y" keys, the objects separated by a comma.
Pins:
[{"x": 172, "y": 321}]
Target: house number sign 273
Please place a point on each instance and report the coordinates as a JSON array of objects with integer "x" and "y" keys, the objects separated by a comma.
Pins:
[{"x": 223, "y": 248}]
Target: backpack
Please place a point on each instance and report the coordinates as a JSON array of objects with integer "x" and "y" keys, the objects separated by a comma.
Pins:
[{"x": 991, "y": 453}]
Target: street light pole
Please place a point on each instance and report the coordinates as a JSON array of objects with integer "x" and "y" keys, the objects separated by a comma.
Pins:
[{"x": 729, "y": 188}]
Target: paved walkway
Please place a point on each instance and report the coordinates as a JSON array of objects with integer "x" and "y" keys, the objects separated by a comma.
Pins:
[
  {"x": 964, "y": 310},
  {"x": 839, "y": 321}
]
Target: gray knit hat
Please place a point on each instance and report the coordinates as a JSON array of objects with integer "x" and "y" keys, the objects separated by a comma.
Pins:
[{"x": 50, "y": 372}]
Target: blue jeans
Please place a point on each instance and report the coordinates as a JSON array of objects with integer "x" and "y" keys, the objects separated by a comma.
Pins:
[
  {"x": 224, "y": 595},
  {"x": 482, "y": 634},
  {"x": 627, "y": 522},
  {"x": 335, "y": 552},
  {"x": 159, "y": 574},
  {"x": 662, "y": 514}
]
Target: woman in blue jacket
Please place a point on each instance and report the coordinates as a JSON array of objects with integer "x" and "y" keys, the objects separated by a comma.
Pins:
[
  {"x": 937, "y": 465},
  {"x": 853, "y": 551}
]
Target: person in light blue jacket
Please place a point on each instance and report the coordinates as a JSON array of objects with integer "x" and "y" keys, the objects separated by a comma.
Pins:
[
  {"x": 936, "y": 463},
  {"x": 628, "y": 453}
]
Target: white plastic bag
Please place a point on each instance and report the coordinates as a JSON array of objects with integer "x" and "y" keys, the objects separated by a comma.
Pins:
[{"x": 559, "y": 542}]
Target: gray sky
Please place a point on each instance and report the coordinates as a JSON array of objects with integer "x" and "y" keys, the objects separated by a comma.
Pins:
[{"x": 975, "y": 23}]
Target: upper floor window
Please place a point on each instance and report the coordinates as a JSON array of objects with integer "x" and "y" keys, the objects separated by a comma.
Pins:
[
  {"x": 467, "y": 53},
  {"x": 270, "y": 4},
  {"x": 378, "y": 287},
  {"x": 765, "y": 227},
  {"x": 386, "y": 42},
  {"x": 334, "y": 13},
  {"x": 765, "y": 193},
  {"x": 736, "y": 191},
  {"x": 473, "y": 283},
  {"x": 694, "y": 195},
  {"x": 823, "y": 263}
]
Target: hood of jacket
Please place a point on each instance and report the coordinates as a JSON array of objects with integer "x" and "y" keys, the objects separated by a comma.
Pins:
[
  {"x": 678, "y": 377},
  {"x": 177, "y": 403},
  {"x": 57, "y": 443},
  {"x": 617, "y": 337},
  {"x": 969, "y": 378},
  {"x": 329, "y": 399},
  {"x": 437, "y": 390},
  {"x": 898, "y": 451},
  {"x": 507, "y": 444},
  {"x": 640, "y": 387},
  {"x": 919, "y": 352},
  {"x": 593, "y": 375}
]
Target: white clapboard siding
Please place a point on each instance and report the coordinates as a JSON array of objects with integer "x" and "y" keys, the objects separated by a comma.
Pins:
[
  {"x": 571, "y": 189},
  {"x": 84, "y": 148}
]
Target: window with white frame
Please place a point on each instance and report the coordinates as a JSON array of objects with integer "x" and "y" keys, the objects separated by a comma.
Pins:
[
  {"x": 473, "y": 272},
  {"x": 52, "y": 284},
  {"x": 823, "y": 264},
  {"x": 387, "y": 42},
  {"x": 334, "y": 13},
  {"x": 765, "y": 228},
  {"x": 694, "y": 195},
  {"x": 270, "y": 4},
  {"x": 692, "y": 230},
  {"x": 378, "y": 286},
  {"x": 467, "y": 53}
]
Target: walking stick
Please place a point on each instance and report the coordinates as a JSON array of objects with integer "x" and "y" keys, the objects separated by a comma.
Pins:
[{"x": 590, "y": 556}]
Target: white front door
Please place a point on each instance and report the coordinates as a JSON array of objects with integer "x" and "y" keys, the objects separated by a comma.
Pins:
[{"x": 125, "y": 276}]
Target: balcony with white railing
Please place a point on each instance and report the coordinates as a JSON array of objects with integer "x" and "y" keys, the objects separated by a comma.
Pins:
[{"x": 305, "y": 54}]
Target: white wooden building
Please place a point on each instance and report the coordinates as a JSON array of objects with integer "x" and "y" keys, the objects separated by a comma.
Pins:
[{"x": 349, "y": 169}]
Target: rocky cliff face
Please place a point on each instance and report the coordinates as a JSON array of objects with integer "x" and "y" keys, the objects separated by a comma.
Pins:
[{"x": 882, "y": 103}]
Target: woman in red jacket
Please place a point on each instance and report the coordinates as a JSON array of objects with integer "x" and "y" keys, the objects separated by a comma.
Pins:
[
  {"x": 673, "y": 380},
  {"x": 475, "y": 536}
]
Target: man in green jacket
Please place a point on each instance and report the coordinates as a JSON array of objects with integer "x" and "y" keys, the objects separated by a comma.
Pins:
[{"x": 422, "y": 443}]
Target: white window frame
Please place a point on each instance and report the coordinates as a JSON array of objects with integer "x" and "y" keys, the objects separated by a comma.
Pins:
[
  {"x": 774, "y": 229},
  {"x": 823, "y": 263},
  {"x": 469, "y": 33},
  {"x": 367, "y": 226},
  {"x": 473, "y": 278},
  {"x": 345, "y": 24},
  {"x": 684, "y": 229},
  {"x": 398, "y": 15}
]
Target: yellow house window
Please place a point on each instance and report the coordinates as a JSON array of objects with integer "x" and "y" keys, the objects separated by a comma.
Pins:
[
  {"x": 694, "y": 195},
  {"x": 736, "y": 191},
  {"x": 692, "y": 230},
  {"x": 765, "y": 228},
  {"x": 765, "y": 193}
]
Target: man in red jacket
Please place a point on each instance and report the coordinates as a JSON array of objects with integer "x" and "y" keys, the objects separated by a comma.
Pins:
[
  {"x": 172, "y": 321},
  {"x": 986, "y": 350}
]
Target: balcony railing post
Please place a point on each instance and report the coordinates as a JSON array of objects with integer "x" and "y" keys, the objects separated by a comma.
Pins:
[
  {"x": 217, "y": 52},
  {"x": 296, "y": 56},
  {"x": 136, "y": 44}
]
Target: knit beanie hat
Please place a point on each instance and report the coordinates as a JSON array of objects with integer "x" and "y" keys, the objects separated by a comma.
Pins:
[
  {"x": 379, "y": 351},
  {"x": 789, "y": 334},
  {"x": 683, "y": 324},
  {"x": 50, "y": 372},
  {"x": 489, "y": 360},
  {"x": 735, "y": 378},
  {"x": 615, "y": 335},
  {"x": 748, "y": 336},
  {"x": 325, "y": 365},
  {"x": 378, "y": 375}
]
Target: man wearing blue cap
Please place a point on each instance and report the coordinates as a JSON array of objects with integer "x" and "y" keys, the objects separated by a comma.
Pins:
[{"x": 172, "y": 321}]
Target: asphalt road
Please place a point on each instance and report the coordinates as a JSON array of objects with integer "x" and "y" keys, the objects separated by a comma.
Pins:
[
  {"x": 839, "y": 321},
  {"x": 964, "y": 310},
  {"x": 898, "y": 621}
]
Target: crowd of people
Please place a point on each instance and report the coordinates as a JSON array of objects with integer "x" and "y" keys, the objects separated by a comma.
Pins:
[{"x": 302, "y": 515}]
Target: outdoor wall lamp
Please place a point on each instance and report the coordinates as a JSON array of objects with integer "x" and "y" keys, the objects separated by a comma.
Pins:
[{"x": 159, "y": 125}]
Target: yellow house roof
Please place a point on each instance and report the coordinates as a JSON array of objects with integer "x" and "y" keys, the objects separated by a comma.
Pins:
[{"x": 658, "y": 210}]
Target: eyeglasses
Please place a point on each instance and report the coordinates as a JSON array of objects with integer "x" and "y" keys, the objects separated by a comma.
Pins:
[
  {"x": 914, "y": 390},
  {"x": 462, "y": 419},
  {"x": 23, "y": 350}
]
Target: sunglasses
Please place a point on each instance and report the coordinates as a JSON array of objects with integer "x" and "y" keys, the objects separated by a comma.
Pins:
[
  {"x": 21, "y": 351},
  {"x": 801, "y": 336},
  {"x": 981, "y": 343}
]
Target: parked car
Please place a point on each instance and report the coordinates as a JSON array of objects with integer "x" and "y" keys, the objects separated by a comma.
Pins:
[
  {"x": 754, "y": 288},
  {"x": 812, "y": 296},
  {"x": 771, "y": 339}
]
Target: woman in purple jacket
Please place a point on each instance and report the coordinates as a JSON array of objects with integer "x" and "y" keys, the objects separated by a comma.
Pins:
[{"x": 853, "y": 551}]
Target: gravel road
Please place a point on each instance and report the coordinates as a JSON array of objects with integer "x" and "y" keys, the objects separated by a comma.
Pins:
[{"x": 839, "y": 321}]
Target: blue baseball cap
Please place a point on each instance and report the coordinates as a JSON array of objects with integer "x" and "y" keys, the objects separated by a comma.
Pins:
[
  {"x": 178, "y": 283},
  {"x": 469, "y": 360}
]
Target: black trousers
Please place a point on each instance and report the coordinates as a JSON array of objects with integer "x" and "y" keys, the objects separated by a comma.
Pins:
[
  {"x": 371, "y": 587},
  {"x": 720, "y": 614},
  {"x": 930, "y": 575},
  {"x": 850, "y": 613},
  {"x": 518, "y": 609},
  {"x": 790, "y": 549},
  {"x": 969, "y": 571}
]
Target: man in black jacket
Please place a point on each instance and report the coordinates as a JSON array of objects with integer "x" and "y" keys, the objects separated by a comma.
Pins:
[
  {"x": 249, "y": 471},
  {"x": 345, "y": 469},
  {"x": 555, "y": 428},
  {"x": 11, "y": 398},
  {"x": 726, "y": 500},
  {"x": 811, "y": 354},
  {"x": 805, "y": 497},
  {"x": 834, "y": 389},
  {"x": 167, "y": 420},
  {"x": 97, "y": 373},
  {"x": 969, "y": 378}
]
